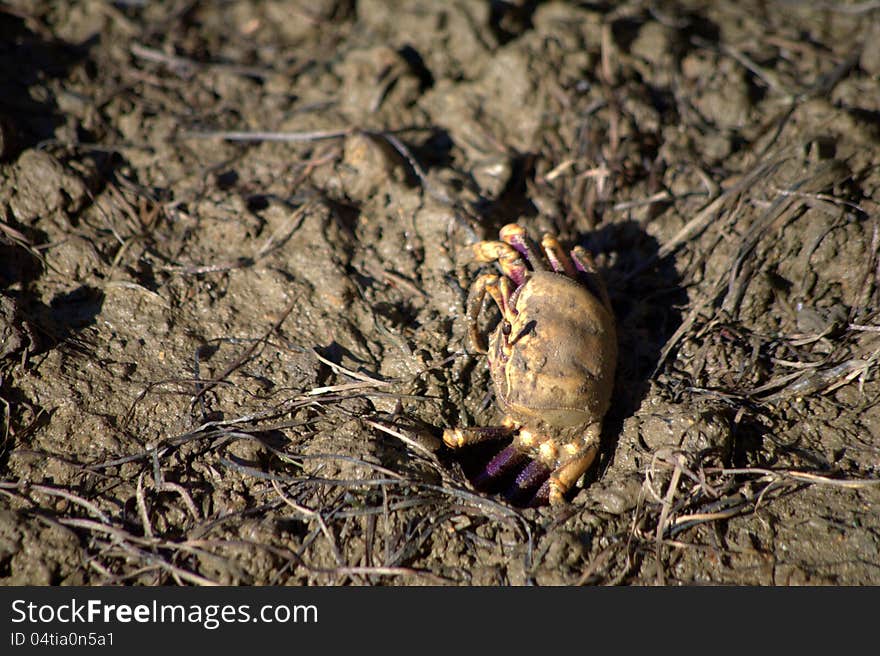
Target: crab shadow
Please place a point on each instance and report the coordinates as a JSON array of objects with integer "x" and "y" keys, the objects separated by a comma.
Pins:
[{"x": 647, "y": 297}]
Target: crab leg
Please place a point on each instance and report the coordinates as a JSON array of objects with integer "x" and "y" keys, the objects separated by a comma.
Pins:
[
  {"x": 499, "y": 289},
  {"x": 540, "y": 453},
  {"x": 560, "y": 262},
  {"x": 507, "y": 460},
  {"x": 458, "y": 437},
  {"x": 575, "y": 459},
  {"x": 475, "y": 305},
  {"x": 583, "y": 261},
  {"x": 516, "y": 236},
  {"x": 511, "y": 262},
  {"x": 532, "y": 474}
]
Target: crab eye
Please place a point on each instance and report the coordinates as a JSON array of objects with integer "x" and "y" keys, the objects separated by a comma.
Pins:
[{"x": 505, "y": 327}]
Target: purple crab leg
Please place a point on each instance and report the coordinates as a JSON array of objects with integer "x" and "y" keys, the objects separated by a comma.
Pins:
[
  {"x": 559, "y": 260},
  {"x": 533, "y": 473},
  {"x": 516, "y": 236},
  {"x": 542, "y": 496},
  {"x": 506, "y": 460}
]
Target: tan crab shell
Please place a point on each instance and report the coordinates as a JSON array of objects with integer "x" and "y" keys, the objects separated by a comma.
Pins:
[{"x": 558, "y": 374}]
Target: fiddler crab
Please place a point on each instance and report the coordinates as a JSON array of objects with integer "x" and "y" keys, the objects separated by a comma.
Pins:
[{"x": 551, "y": 358}]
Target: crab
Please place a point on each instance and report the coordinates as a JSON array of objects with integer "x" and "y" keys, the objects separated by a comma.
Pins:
[{"x": 552, "y": 360}]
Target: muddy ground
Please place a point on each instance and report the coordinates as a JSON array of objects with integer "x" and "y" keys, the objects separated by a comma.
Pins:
[{"x": 235, "y": 250}]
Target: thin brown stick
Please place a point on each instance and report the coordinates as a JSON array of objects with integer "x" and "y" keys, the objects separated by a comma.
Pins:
[
  {"x": 664, "y": 517},
  {"x": 287, "y": 137},
  {"x": 184, "y": 495},
  {"x": 807, "y": 477},
  {"x": 23, "y": 486},
  {"x": 142, "y": 507},
  {"x": 311, "y": 514},
  {"x": 248, "y": 352},
  {"x": 126, "y": 541},
  {"x": 410, "y": 442}
]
